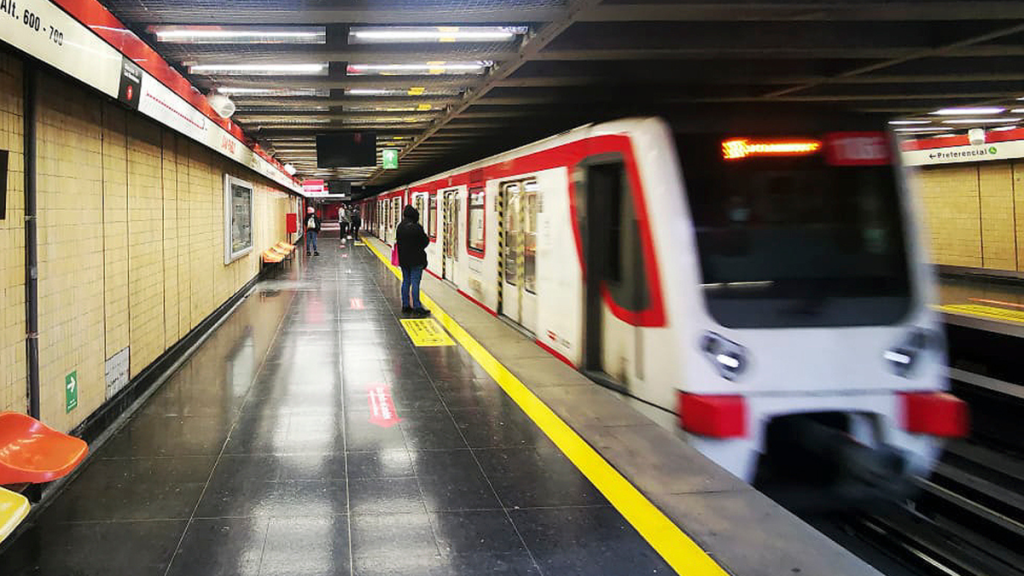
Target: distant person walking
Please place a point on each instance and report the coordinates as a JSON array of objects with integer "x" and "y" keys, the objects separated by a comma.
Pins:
[
  {"x": 412, "y": 258},
  {"x": 343, "y": 220},
  {"x": 356, "y": 222},
  {"x": 312, "y": 230}
]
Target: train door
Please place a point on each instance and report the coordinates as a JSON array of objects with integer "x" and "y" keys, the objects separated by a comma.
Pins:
[
  {"x": 396, "y": 217},
  {"x": 450, "y": 231},
  {"x": 615, "y": 277},
  {"x": 518, "y": 299}
]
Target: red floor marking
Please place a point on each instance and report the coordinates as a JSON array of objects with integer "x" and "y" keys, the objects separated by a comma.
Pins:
[
  {"x": 355, "y": 303},
  {"x": 987, "y": 301},
  {"x": 382, "y": 409}
]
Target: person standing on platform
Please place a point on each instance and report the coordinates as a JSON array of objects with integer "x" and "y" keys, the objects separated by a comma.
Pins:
[
  {"x": 355, "y": 222},
  {"x": 343, "y": 221},
  {"x": 312, "y": 230},
  {"x": 412, "y": 258}
]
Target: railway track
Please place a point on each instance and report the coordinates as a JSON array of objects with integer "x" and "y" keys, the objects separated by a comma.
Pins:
[{"x": 968, "y": 518}]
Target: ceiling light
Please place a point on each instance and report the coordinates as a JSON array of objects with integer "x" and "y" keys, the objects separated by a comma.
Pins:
[
  {"x": 981, "y": 121},
  {"x": 434, "y": 34},
  {"x": 273, "y": 91},
  {"x": 908, "y": 122},
  {"x": 424, "y": 68},
  {"x": 239, "y": 35},
  {"x": 932, "y": 129},
  {"x": 969, "y": 111},
  {"x": 1004, "y": 128},
  {"x": 259, "y": 69}
]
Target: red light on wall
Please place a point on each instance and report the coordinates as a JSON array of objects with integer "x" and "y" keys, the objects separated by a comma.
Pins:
[{"x": 738, "y": 148}]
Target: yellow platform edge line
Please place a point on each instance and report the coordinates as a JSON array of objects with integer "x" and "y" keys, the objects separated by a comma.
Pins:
[{"x": 667, "y": 539}]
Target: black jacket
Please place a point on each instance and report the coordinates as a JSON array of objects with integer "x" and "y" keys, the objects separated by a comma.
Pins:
[
  {"x": 356, "y": 220},
  {"x": 316, "y": 222},
  {"x": 412, "y": 244}
]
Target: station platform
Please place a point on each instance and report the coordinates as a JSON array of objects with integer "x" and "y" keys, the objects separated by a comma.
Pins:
[
  {"x": 983, "y": 303},
  {"x": 310, "y": 434}
]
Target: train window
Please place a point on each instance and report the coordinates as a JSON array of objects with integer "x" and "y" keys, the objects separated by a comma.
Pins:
[
  {"x": 795, "y": 238},
  {"x": 432, "y": 216},
  {"x": 418, "y": 204},
  {"x": 511, "y": 193},
  {"x": 622, "y": 271},
  {"x": 476, "y": 223},
  {"x": 530, "y": 236}
]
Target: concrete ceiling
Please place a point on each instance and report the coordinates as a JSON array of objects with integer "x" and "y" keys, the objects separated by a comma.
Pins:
[{"x": 562, "y": 63}]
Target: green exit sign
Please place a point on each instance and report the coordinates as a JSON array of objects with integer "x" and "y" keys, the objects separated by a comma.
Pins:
[
  {"x": 71, "y": 392},
  {"x": 389, "y": 156}
]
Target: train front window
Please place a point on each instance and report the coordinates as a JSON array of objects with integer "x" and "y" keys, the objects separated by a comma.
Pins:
[{"x": 797, "y": 231}]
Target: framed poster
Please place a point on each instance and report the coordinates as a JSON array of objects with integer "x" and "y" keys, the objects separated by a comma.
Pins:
[{"x": 237, "y": 218}]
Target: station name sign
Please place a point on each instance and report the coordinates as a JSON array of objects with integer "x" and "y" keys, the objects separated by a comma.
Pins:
[{"x": 42, "y": 30}]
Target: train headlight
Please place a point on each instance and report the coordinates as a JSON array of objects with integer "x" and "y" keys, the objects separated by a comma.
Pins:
[
  {"x": 729, "y": 358},
  {"x": 903, "y": 357}
]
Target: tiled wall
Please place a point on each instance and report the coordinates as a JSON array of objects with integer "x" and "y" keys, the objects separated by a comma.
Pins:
[
  {"x": 975, "y": 214},
  {"x": 12, "y": 239},
  {"x": 130, "y": 240}
]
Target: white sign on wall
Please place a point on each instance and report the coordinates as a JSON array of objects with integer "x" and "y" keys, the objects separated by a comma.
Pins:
[
  {"x": 237, "y": 218},
  {"x": 43, "y": 30},
  {"x": 117, "y": 371},
  {"x": 969, "y": 153}
]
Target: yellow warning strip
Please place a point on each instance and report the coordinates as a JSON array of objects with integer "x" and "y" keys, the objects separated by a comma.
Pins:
[
  {"x": 984, "y": 311},
  {"x": 681, "y": 553},
  {"x": 426, "y": 332}
]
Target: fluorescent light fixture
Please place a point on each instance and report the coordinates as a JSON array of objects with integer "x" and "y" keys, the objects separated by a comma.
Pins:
[
  {"x": 282, "y": 108},
  {"x": 277, "y": 121},
  {"x": 1017, "y": 111},
  {"x": 981, "y": 121},
  {"x": 260, "y": 69},
  {"x": 394, "y": 34},
  {"x": 240, "y": 91},
  {"x": 424, "y": 68},
  {"x": 412, "y": 91},
  {"x": 908, "y": 122},
  {"x": 240, "y": 34},
  {"x": 977, "y": 110},
  {"x": 1004, "y": 128},
  {"x": 922, "y": 130}
]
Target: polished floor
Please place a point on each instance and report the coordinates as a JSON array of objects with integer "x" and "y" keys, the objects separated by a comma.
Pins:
[{"x": 261, "y": 456}]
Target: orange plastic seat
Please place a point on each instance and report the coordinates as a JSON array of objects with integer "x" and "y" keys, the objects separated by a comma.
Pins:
[
  {"x": 286, "y": 247},
  {"x": 32, "y": 452},
  {"x": 13, "y": 509}
]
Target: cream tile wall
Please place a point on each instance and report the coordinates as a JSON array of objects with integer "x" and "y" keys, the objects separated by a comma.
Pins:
[
  {"x": 974, "y": 214},
  {"x": 130, "y": 241},
  {"x": 12, "y": 238}
]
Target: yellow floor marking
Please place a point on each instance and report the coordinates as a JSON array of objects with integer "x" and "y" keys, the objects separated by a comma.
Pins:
[
  {"x": 985, "y": 311},
  {"x": 426, "y": 332},
  {"x": 678, "y": 550}
]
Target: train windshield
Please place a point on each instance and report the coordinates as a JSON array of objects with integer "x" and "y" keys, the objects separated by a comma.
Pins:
[{"x": 797, "y": 231}]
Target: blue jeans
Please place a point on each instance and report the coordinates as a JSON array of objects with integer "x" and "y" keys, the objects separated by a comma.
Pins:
[
  {"x": 311, "y": 241},
  {"x": 411, "y": 279}
]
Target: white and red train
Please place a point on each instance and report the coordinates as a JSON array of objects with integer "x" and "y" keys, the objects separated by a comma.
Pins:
[{"x": 770, "y": 288}]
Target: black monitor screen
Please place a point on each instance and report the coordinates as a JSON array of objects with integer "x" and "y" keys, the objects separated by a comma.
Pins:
[
  {"x": 342, "y": 187},
  {"x": 346, "y": 149}
]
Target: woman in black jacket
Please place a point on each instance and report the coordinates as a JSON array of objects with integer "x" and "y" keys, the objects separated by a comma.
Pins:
[{"x": 412, "y": 258}]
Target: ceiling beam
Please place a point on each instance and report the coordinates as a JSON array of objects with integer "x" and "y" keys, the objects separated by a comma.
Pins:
[
  {"x": 225, "y": 14},
  {"x": 950, "y": 49},
  {"x": 806, "y": 11},
  {"x": 529, "y": 48}
]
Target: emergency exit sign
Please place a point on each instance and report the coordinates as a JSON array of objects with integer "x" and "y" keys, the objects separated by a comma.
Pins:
[
  {"x": 389, "y": 156},
  {"x": 71, "y": 391}
]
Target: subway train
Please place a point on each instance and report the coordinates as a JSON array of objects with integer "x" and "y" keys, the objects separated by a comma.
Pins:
[{"x": 762, "y": 278}]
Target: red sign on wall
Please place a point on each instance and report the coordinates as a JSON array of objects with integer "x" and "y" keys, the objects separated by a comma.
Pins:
[
  {"x": 291, "y": 222},
  {"x": 382, "y": 408}
]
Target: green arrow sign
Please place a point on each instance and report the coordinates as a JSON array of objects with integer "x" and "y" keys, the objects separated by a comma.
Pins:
[
  {"x": 389, "y": 156},
  {"x": 71, "y": 391}
]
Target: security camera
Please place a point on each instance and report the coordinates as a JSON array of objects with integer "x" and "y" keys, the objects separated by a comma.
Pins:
[
  {"x": 976, "y": 136},
  {"x": 222, "y": 105}
]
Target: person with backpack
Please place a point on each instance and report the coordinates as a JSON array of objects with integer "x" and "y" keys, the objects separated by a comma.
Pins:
[
  {"x": 411, "y": 242},
  {"x": 312, "y": 230}
]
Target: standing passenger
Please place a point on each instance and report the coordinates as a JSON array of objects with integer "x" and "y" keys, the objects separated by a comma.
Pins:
[
  {"x": 412, "y": 257},
  {"x": 312, "y": 230},
  {"x": 356, "y": 222},
  {"x": 343, "y": 221}
]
